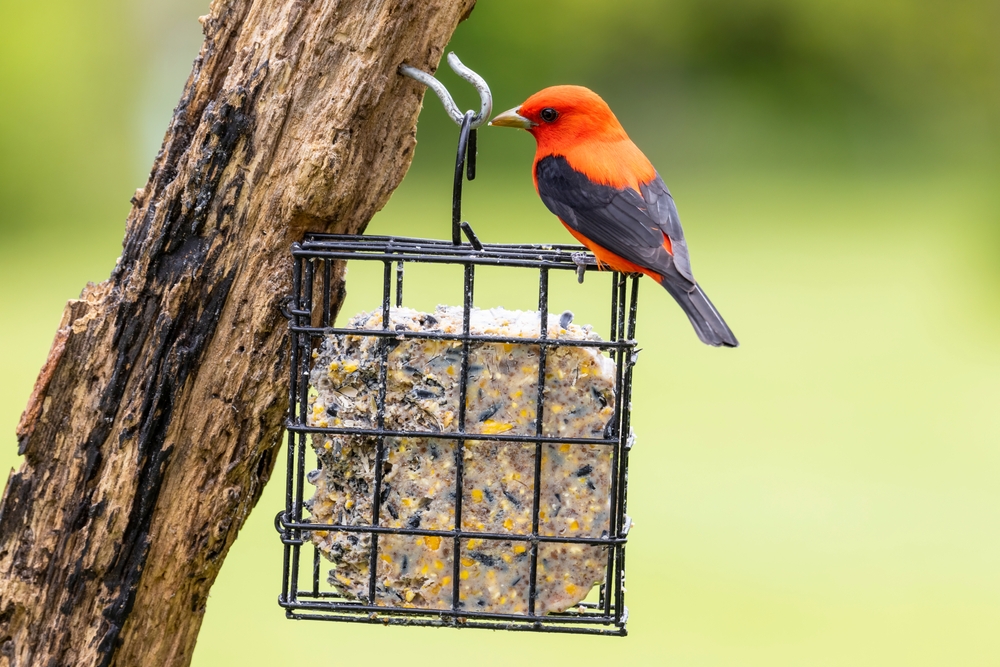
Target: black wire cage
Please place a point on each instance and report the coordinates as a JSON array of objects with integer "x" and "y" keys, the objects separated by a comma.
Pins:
[{"x": 318, "y": 266}]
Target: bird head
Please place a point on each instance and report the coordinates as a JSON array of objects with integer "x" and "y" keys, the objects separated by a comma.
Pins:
[{"x": 564, "y": 116}]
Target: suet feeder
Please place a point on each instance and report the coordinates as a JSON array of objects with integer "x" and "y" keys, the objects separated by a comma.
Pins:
[{"x": 470, "y": 466}]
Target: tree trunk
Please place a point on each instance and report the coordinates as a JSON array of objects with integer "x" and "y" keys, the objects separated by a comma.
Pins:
[{"x": 155, "y": 422}]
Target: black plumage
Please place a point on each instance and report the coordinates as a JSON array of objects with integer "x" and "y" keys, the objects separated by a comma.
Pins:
[{"x": 633, "y": 225}]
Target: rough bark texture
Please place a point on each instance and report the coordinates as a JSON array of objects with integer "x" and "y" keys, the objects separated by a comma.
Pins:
[{"x": 156, "y": 419}]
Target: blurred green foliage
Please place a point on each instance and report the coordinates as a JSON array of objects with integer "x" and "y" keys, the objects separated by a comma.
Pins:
[
  {"x": 912, "y": 76},
  {"x": 87, "y": 87},
  {"x": 824, "y": 495},
  {"x": 84, "y": 85}
]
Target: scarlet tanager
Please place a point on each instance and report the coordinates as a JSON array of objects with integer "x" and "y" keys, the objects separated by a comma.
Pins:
[{"x": 608, "y": 195}]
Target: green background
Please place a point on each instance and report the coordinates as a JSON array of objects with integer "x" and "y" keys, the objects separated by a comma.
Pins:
[{"x": 827, "y": 493}]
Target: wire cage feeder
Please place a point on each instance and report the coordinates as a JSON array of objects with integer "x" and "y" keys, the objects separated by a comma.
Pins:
[{"x": 310, "y": 587}]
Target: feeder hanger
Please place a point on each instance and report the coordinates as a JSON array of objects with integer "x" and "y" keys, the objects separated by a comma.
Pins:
[
  {"x": 485, "y": 97},
  {"x": 468, "y": 121}
]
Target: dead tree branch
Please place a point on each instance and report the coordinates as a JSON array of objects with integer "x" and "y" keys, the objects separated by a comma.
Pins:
[{"x": 155, "y": 422}]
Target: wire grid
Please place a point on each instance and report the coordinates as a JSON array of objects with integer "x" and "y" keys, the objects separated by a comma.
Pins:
[{"x": 311, "y": 318}]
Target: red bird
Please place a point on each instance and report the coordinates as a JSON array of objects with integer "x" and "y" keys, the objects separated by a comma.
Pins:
[{"x": 608, "y": 195}]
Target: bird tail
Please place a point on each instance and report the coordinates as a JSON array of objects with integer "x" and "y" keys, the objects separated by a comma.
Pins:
[{"x": 707, "y": 323}]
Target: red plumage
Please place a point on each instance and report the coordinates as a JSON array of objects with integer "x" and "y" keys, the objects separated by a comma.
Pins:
[{"x": 609, "y": 196}]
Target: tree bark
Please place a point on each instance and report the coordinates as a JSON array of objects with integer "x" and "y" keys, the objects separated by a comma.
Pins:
[{"x": 155, "y": 422}]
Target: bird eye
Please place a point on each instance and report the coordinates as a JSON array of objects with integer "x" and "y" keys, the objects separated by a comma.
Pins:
[{"x": 549, "y": 114}]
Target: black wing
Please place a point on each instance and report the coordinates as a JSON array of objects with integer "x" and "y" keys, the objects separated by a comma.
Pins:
[
  {"x": 661, "y": 208},
  {"x": 633, "y": 226},
  {"x": 623, "y": 221}
]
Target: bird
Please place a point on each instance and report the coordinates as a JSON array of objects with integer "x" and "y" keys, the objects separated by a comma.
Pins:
[{"x": 609, "y": 197}]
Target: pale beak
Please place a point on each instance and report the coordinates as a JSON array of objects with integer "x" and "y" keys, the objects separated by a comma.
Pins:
[{"x": 512, "y": 119}]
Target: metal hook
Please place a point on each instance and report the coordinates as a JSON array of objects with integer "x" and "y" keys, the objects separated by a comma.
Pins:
[
  {"x": 485, "y": 96},
  {"x": 465, "y": 161}
]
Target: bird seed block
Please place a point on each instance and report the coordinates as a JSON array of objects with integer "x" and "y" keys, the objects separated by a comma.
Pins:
[{"x": 418, "y": 488}]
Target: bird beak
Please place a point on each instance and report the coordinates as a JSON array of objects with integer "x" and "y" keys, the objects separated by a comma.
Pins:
[{"x": 511, "y": 118}]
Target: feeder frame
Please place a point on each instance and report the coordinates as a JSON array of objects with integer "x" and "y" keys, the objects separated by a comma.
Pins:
[{"x": 311, "y": 318}]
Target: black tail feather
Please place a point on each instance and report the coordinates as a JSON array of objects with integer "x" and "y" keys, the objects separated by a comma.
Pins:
[{"x": 707, "y": 323}]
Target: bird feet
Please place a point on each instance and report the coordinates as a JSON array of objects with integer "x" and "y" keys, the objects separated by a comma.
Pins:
[{"x": 582, "y": 261}]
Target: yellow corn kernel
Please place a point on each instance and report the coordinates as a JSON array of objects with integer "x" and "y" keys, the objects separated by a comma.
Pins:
[
  {"x": 570, "y": 589},
  {"x": 520, "y": 548},
  {"x": 445, "y": 581},
  {"x": 409, "y": 595},
  {"x": 556, "y": 408},
  {"x": 507, "y": 558},
  {"x": 563, "y": 448},
  {"x": 508, "y": 523},
  {"x": 450, "y": 370},
  {"x": 386, "y": 557},
  {"x": 491, "y": 426},
  {"x": 464, "y": 574},
  {"x": 477, "y": 495},
  {"x": 350, "y": 366},
  {"x": 468, "y": 562},
  {"x": 349, "y": 504},
  {"x": 433, "y": 541},
  {"x": 518, "y": 393},
  {"x": 574, "y": 525},
  {"x": 507, "y": 347}
]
